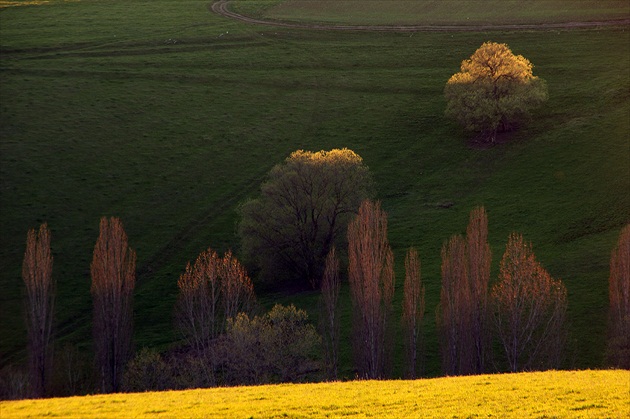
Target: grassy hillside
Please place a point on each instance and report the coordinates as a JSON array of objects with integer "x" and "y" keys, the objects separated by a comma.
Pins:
[
  {"x": 574, "y": 394},
  {"x": 436, "y": 12},
  {"x": 169, "y": 116}
]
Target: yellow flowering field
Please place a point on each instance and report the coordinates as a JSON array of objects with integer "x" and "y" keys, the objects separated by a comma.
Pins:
[{"x": 575, "y": 394}]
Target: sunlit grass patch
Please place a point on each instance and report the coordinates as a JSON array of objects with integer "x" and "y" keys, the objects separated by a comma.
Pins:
[
  {"x": 541, "y": 394},
  {"x": 23, "y": 3},
  {"x": 13, "y": 3}
]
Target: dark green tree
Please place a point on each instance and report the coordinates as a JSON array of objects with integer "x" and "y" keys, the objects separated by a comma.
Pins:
[{"x": 304, "y": 208}]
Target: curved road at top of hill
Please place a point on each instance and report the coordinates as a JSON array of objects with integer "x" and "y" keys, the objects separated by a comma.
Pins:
[{"x": 220, "y": 7}]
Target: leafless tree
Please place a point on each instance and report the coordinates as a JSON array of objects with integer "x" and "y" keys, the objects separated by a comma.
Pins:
[
  {"x": 40, "y": 298},
  {"x": 463, "y": 311},
  {"x": 618, "y": 352},
  {"x": 529, "y": 310},
  {"x": 330, "y": 313},
  {"x": 211, "y": 292},
  {"x": 237, "y": 290},
  {"x": 413, "y": 312},
  {"x": 371, "y": 275},
  {"x": 113, "y": 281},
  {"x": 479, "y": 261},
  {"x": 198, "y": 303},
  {"x": 453, "y": 315}
]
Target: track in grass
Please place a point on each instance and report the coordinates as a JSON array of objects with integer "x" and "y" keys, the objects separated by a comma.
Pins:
[{"x": 222, "y": 8}]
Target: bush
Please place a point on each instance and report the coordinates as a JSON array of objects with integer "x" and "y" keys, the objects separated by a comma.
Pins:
[
  {"x": 14, "y": 383},
  {"x": 147, "y": 372},
  {"x": 278, "y": 346}
]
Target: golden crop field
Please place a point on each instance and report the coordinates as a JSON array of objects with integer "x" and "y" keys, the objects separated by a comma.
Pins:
[{"x": 574, "y": 394}]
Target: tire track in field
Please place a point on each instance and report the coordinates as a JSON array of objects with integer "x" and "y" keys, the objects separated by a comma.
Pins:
[{"x": 221, "y": 8}]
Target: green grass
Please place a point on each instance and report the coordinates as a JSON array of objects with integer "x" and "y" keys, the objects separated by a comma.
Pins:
[
  {"x": 169, "y": 116},
  {"x": 574, "y": 394},
  {"x": 435, "y": 12}
]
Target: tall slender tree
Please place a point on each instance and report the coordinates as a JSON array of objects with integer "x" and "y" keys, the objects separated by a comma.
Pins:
[
  {"x": 453, "y": 316},
  {"x": 330, "y": 313},
  {"x": 529, "y": 308},
  {"x": 113, "y": 282},
  {"x": 413, "y": 312},
  {"x": 618, "y": 352},
  {"x": 463, "y": 313},
  {"x": 479, "y": 261},
  {"x": 40, "y": 299},
  {"x": 371, "y": 275}
]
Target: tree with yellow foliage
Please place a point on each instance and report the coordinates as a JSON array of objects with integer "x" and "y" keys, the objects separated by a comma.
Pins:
[
  {"x": 494, "y": 91},
  {"x": 304, "y": 208}
]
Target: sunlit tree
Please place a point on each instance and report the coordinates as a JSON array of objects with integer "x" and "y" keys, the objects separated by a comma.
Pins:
[
  {"x": 211, "y": 291},
  {"x": 529, "y": 308},
  {"x": 371, "y": 276},
  {"x": 304, "y": 208},
  {"x": 463, "y": 313},
  {"x": 494, "y": 91},
  {"x": 40, "y": 297}
]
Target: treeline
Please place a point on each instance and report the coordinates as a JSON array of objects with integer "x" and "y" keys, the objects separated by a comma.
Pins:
[{"x": 228, "y": 341}]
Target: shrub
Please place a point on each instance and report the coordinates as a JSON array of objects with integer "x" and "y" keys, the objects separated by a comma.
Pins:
[
  {"x": 147, "y": 371},
  {"x": 280, "y": 346}
]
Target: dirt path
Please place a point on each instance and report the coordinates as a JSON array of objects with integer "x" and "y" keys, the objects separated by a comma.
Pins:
[{"x": 220, "y": 7}]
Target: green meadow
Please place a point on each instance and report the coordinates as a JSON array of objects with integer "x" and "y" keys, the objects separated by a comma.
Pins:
[
  {"x": 169, "y": 116},
  {"x": 572, "y": 394},
  {"x": 435, "y": 12}
]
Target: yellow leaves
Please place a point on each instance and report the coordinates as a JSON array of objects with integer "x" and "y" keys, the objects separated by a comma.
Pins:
[
  {"x": 494, "y": 62},
  {"x": 494, "y": 90},
  {"x": 336, "y": 155}
]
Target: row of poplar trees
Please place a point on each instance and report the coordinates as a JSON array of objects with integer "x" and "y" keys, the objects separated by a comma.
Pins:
[
  {"x": 113, "y": 280},
  {"x": 523, "y": 313},
  {"x": 524, "y": 310}
]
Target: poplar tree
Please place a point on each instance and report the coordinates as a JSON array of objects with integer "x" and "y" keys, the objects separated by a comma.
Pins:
[
  {"x": 113, "y": 281},
  {"x": 618, "y": 352},
  {"x": 40, "y": 298},
  {"x": 413, "y": 312},
  {"x": 371, "y": 276}
]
